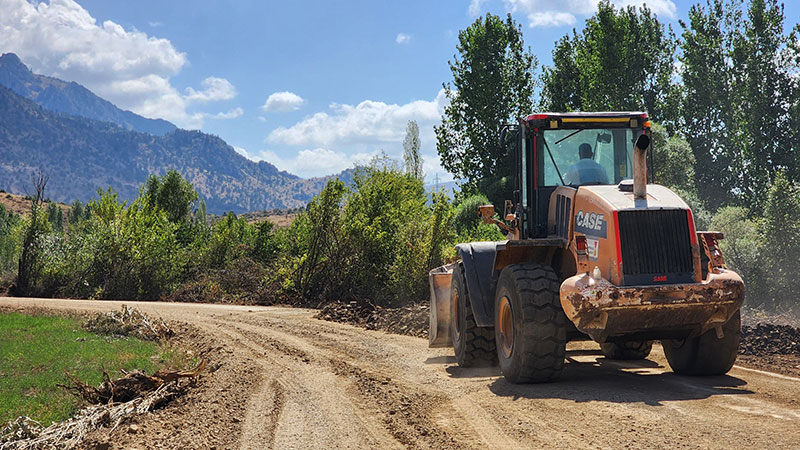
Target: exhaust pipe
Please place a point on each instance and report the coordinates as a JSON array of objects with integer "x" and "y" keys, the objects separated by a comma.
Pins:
[{"x": 640, "y": 166}]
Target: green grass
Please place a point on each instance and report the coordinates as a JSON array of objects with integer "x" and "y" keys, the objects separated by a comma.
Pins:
[{"x": 36, "y": 351}]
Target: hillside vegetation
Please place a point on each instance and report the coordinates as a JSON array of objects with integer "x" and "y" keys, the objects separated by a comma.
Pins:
[{"x": 373, "y": 242}]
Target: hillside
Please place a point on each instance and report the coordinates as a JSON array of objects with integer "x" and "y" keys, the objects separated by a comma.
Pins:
[
  {"x": 83, "y": 155},
  {"x": 72, "y": 98}
]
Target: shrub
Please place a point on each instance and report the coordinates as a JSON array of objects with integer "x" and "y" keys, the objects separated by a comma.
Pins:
[
  {"x": 742, "y": 248},
  {"x": 781, "y": 237},
  {"x": 10, "y": 240},
  {"x": 466, "y": 216}
]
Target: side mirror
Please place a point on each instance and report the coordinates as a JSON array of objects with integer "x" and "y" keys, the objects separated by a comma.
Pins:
[{"x": 642, "y": 142}]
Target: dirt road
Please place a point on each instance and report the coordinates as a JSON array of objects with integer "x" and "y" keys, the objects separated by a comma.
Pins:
[{"x": 287, "y": 380}]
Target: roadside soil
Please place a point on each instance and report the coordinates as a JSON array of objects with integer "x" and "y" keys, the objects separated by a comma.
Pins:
[{"x": 284, "y": 379}]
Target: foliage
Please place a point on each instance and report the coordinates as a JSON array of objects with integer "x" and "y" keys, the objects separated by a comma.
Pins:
[
  {"x": 492, "y": 85},
  {"x": 623, "y": 60},
  {"x": 742, "y": 248},
  {"x": 761, "y": 249},
  {"x": 172, "y": 194},
  {"x": 32, "y": 252},
  {"x": 231, "y": 238},
  {"x": 10, "y": 233},
  {"x": 466, "y": 213},
  {"x": 673, "y": 160},
  {"x": 781, "y": 237},
  {"x": 742, "y": 98},
  {"x": 411, "y": 156}
]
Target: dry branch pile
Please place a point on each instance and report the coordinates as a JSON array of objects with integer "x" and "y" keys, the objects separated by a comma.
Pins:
[
  {"x": 129, "y": 322},
  {"x": 117, "y": 400}
]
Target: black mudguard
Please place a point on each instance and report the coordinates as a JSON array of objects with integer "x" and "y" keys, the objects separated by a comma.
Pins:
[{"x": 478, "y": 259}]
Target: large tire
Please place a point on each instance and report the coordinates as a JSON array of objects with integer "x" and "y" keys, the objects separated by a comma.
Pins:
[
  {"x": 530, "y": 326},
  {"x": 473, "y": 345},
  {"x": 705, "y": 354},
  {"x": 630, "y": 350}
]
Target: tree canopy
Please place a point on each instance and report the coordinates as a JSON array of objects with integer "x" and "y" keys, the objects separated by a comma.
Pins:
[
  {"x": 492, "y": 85},
  {"x": 623, "y": 59}
]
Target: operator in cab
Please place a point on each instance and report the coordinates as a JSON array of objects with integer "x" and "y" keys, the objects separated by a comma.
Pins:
[{"x": 587, "y": 170}]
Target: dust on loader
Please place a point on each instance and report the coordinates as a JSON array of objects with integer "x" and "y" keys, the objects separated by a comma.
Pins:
[{"x": 612, "y": 259}]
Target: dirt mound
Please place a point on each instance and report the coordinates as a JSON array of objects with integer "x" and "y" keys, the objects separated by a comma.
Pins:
[
  {"x": 411, "y": 320},
  {"x": 767, "y": 339}
]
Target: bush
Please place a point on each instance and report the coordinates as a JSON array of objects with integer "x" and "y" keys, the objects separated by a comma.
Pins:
[
  {"x": 469, "y": 226},
  {"x": 10, "y": 240},
  {"x": 781, "y": 237},
  {"x": 742, "y": 248},
  {"x": 673, "y": 160},
  {"x": 466, "y": 216},
  {"x": 373, "y": 242}
]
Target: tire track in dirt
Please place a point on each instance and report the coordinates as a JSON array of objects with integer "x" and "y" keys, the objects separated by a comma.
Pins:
[
  {"x": 314, "y": 414},
  {"x": 454, "y": 415}
]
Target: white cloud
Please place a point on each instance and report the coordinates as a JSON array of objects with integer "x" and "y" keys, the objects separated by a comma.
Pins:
[
  {"x": 333, "y": 140},
  {"x": 370, "y": 122},
  {"x": 550, "y": 19},
  {"x": 232, "y": 114},
  {"x": 666, "y": 8},
  {"x": 283, "y": 101},
  {"x": 214, "y": 89},
  {"x": 402, "y": 38},
  {"x": 316, "y": 162},
  {"x": 155, "y": 24},
  {"x": 546, "y": 13},
  {"x": 242, "y": 151},
  {"x": 475, "y": 7},
  {"x": 127, "y": 67}
]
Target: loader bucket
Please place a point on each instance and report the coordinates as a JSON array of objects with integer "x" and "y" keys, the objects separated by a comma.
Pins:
[{"x": 439, "y": 328}]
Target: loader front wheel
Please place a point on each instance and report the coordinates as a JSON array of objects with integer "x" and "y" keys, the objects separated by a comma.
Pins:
[
  {"x": 630, "y": 350},
  {"x": 530, "y": 326},
  {"x": 705, "y": 354},
  {"x": 473, "y": 345}
]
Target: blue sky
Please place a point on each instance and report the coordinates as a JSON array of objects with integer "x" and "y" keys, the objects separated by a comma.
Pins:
[{"x": 311, "y": 86}]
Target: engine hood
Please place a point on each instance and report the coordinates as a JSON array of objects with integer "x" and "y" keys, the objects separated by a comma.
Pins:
[{"x": 611, "y": 198}]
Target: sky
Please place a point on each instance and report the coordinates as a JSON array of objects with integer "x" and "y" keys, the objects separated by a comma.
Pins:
[{"x": 312, "y": 87}]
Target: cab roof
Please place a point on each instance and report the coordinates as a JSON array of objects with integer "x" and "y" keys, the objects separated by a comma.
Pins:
[
  {"x": 588, "y": 114},
  {"x": 584, "y": 119}
]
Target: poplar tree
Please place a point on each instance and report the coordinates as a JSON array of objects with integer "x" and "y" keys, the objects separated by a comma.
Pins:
[{"x": 492, "y": 85}]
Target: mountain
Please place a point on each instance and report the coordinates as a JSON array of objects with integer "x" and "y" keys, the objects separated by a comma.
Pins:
[
  {"x": 72, "y": 98},
  {"x": 83, "y": 155}
]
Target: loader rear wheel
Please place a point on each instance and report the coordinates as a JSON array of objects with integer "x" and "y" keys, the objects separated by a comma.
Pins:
[
  {"x": 630, "y": 350},
  {"x": 530, "y": 326},
  {"x": 705, "y": 354},
  {"x": 473, "y": 345}
]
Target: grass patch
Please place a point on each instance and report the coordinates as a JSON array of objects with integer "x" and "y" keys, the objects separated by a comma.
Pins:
[{"x": 36, "y": 351}]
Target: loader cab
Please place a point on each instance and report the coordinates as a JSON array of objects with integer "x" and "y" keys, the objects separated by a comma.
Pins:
[{"x": 551, "y": 151}]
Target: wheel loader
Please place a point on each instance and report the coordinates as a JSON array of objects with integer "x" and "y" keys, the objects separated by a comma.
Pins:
[{"x": 593, "y": 252}]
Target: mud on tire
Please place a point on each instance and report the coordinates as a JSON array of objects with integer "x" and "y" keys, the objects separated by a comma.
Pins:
[
  {"x": 629, "y": 350},
  {"x": 705, "y": 354},
  {"x": 530, "y": 326},
  {"x": 473, "y": 345}
]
